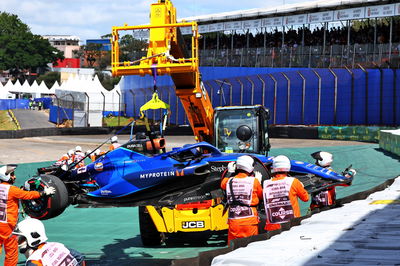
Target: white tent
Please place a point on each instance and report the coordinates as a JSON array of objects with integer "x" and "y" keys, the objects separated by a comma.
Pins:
[
  {"x": 87, "y": 95},
  {"x": 3, "y": 92}
]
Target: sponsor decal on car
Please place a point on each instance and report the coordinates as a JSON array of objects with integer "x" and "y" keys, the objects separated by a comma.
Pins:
[
  {"x": 105, "y": 192},
  {"x": 81, "y": 170},
  {"x": 179, "y": 173},
  {"x": 197, "y": 198},
  {"x": 193, "y": 224},
  {"x": 98, "y": 167},
  {"x": 158, "y": 174},
  {"x": 218, "y": 169}
]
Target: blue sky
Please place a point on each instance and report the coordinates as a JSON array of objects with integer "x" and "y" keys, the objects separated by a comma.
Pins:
[{"x": 89, "y": 19}]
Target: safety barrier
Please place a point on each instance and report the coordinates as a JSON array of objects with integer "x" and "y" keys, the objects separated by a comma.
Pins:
[
  {"x": 46, "y": 102},
  {"x": 11, "y": 113},
  {"x": 59, "y": 114},
  {"x": 39, "y": 132},
  {"x": 356, "y": 133},
  {"x": 389, "y": 140},
  {"x": 205, "y": 258},
  {"x": 6, "y": 104},
  {"x": 367, "y": 97}
]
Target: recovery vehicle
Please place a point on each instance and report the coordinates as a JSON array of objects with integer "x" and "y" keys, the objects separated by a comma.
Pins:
[
  {"x": 231, "y": 128},
  {"x": 176, "y": 191}
]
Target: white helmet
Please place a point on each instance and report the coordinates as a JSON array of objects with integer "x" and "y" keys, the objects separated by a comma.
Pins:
[
  {"x": 114, "y": 139},
  {"x": 97, "y": 152},
  {"x": 33, "y": 230},
  {"x": 70, "y": 152},
  {"x": 280, "y": 163},
  {"x": 245, "y": 163},
  {"x": 323, "y": 158},
  {"x": 78, "y": 148},
  {"x": 5, "y": 172}
]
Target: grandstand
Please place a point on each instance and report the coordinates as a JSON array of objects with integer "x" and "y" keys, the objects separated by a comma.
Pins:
[
  {"x": 330, "y": 33},
  {"x": 318, "y": 63}
]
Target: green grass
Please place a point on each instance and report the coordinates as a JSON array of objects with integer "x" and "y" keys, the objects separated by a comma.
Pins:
[{"x": 6, "y": 122}]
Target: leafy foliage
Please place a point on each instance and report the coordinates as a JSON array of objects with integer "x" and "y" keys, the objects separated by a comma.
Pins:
[
  {"x": 132, "y": 49},
  {"x": 107, "y": 81},
  {"x": 20, "y": 49},
  {"x": 49, "y": 78}
]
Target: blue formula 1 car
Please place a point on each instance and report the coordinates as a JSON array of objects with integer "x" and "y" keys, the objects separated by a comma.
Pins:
[{"x": 136, "y": 174}]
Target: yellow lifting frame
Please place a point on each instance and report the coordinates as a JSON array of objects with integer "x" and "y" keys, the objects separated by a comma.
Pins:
[
  {"x": 166, "y": 55},
  {"x": 157, "y": 56}
]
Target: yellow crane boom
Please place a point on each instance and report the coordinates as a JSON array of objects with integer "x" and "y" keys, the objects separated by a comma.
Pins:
[{"x": 166, "y": 55}]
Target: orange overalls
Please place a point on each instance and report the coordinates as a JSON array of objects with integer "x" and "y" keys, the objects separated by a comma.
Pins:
[
  {"x": 63, "y": 160},
  {"x": 296, "y": 190},
  {"x": 243, "y": 218},
  {"x": 78, "y": 156},
  {"x": 325, "y": 198},
  {"x": 9, "y": 205},
  {"x": 56, "y": 254},
  {"x": 114, "y": 146}
]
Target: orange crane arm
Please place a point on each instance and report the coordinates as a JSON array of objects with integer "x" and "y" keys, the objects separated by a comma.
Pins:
[{"x": 167, "y": 55}]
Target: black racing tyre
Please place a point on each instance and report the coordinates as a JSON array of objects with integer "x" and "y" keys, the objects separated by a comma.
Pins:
[
  {"x": 46, "y": 207},
  {"x": 148, "y": 231},
  {"x": 259, "y": 167}
]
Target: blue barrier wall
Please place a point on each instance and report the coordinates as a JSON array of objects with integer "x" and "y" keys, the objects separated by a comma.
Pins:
[
  {"x": 355, "y": 97},
  {"x": 46, "y": 102},
  {"x": 6, "y": 104},
  {"x": 57, "y": 115}
]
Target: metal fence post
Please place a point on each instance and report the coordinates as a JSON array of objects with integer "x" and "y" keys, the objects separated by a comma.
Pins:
[
  {"x": 73, "y": 107},
  {"x": 351, "y": 95},
  {"x": 302, "y": 96},
  {"x": 104, "y": 107},
  {"x": 366, "y": 93},
  {"x": 288, "y": 98},
  {"x": 119, "y": 107},
  {"x": 319, "y": 96},
  {"x": 87, "y": 116},
  {"x": 58, "y": 110},
  {"x": 241, "y": 91},
  {"x": 263, "y": 90},
  {"x": 335, "y": 82},
  {"x": 275, "y": 92},
  {"x": 252, "y": 90}
]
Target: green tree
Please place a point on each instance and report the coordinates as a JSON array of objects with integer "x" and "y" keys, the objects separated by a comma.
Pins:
[
  {"x": 132, "y": 49},
  {"x": 20, "y": 49},
  {"x": 107, "y": 81},
  {"x": 49, "y": 78}
]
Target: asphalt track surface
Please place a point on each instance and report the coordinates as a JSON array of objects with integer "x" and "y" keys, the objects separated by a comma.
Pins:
[
  {"x": 110, "y": 236},
  {"x": 29, "y": 119}
]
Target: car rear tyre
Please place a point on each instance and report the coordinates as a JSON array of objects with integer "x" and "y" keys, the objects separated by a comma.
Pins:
[
  {"x": 148, "y": 231},
  {"x": 259, "y": 167},
  {"x": 46, "y": 207}
]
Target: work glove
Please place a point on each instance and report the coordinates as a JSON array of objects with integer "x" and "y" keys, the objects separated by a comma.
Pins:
[
  {"x": 350, "y": 173},
  {"x": 48, "y": 191},
  {"x": 258, "y": 176},
  {"x": 231, "y": 167}
]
